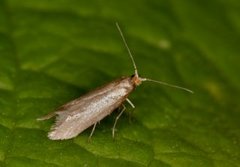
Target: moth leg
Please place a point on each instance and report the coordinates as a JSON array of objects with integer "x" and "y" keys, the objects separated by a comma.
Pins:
[
  {"x": 115, "y": 123},
  {"x": 93, "y": 129},
  {"x": 131, "y": 104},
  {"x": 131, "y": 112}
]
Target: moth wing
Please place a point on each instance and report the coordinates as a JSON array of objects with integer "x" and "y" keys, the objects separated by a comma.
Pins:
[
  {"x": 71, "y": 120},
  {"x": 77, "y": 115},
  {"x": 87, "y": 97},
  {"x": 69, "y": 107},
  {"x": 66, "y": 127}
]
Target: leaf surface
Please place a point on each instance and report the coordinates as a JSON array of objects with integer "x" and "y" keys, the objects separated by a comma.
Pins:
[{"x": 54, "y": 51}]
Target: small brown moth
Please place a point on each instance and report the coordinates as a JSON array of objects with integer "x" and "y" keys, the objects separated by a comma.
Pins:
[{"x": 79, "y": 114}]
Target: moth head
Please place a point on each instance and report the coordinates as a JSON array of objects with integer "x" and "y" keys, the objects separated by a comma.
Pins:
[{"x": 136, "y": 80}]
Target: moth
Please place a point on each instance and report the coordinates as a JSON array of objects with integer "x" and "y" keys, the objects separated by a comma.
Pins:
[{"x": 77, "y": 115}]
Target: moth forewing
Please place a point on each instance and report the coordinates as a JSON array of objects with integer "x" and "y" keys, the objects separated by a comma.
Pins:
[{"x": 78, "y": 115}]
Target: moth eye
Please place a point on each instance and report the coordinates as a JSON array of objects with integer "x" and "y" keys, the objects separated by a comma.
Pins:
[{"x": 133, "y": 75}]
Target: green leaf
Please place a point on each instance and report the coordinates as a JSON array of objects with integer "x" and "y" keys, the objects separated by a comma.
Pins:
[{"x": 54, "y": 51}]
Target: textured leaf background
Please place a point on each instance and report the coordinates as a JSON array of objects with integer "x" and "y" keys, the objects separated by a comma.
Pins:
[{"x": 54, "y": 51}]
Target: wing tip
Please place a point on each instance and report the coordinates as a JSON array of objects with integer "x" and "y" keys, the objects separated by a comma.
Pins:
[
  {"x": 54, "y": 136},
  {"x": 57, "y": 134},
  {"x": 63, "y": 129}
]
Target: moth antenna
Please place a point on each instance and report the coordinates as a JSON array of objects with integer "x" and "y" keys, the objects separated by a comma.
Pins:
[
  {"x": 135, "y": 67},
  {"x": 167, "y": 84},
  {"x": 129, "y": 51}
]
